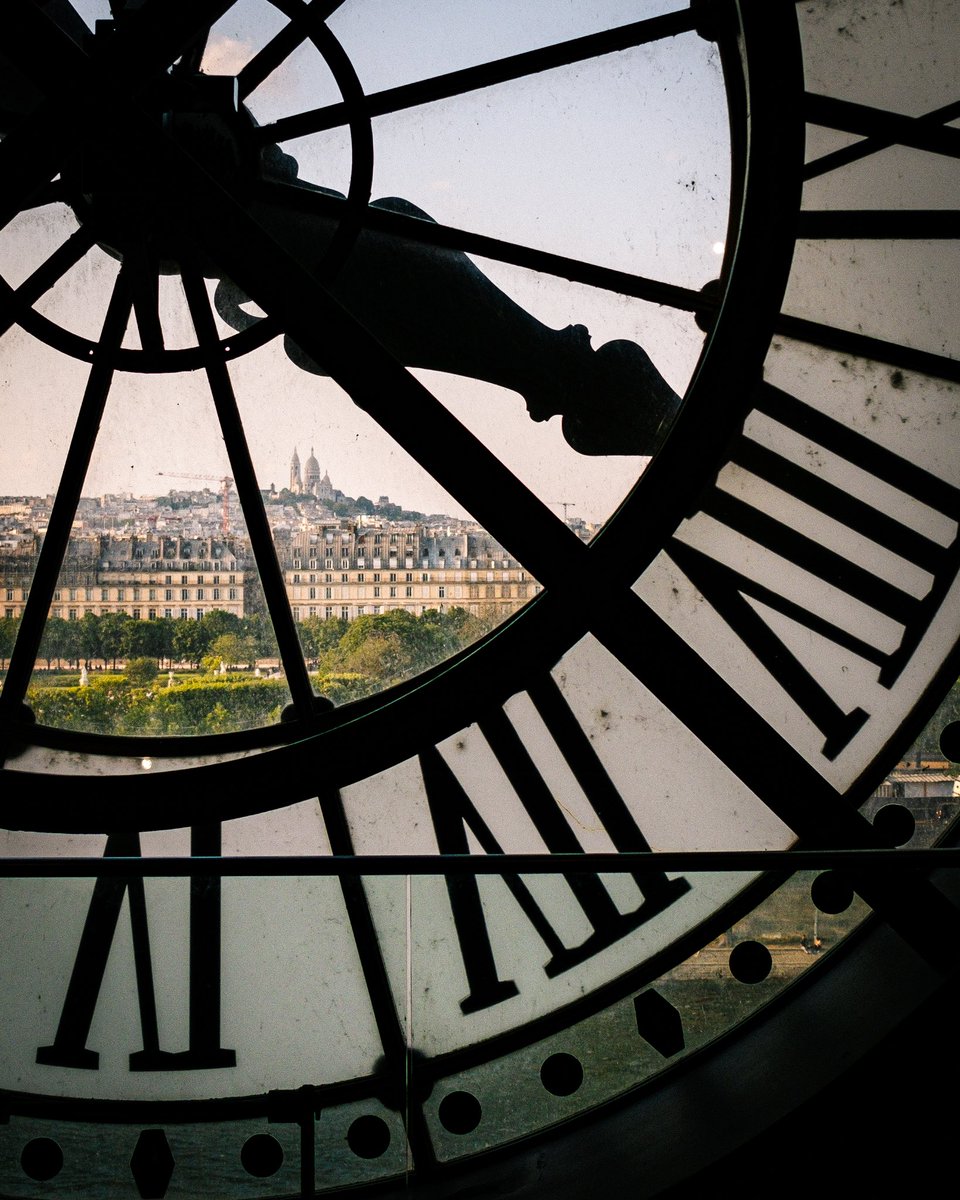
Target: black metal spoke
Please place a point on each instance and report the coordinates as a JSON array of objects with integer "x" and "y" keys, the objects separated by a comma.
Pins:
[
  {"x": 939, "y": 366},
  {"x": 146, "y": 297},
  {"x": 283, "y": 44},
  {"x": 503, "y": 70},
  {"x": 883, "y": 129},
  {"x": 449, "y": 237},
  {"x": 13, "y": 301},
  {"x": 923, "y": 224},
  {"x": 65, "y": 505},
  {"x": 251, "y": 502}
]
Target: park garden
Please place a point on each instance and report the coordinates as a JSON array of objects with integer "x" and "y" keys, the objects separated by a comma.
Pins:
[{"x": 120, "y": 675}]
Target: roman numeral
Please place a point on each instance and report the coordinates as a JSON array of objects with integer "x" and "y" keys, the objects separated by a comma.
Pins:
[
  {"x": 730, "y": 587},
  {"x": 453, "y": 813},
  {"x": 69, "y": 1047},
  {"x": 880, "y": 129}
]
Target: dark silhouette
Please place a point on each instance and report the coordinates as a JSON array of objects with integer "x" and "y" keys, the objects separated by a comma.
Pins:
[{"x": 433, "y": 308}]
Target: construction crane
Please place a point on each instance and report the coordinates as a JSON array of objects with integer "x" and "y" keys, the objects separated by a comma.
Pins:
[
  {"x": 225, "y": 481},
  {"x": 564, "y": 504}
]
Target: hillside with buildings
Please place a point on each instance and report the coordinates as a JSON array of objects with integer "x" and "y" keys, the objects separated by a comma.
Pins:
[{"x": 168, "y": 583}]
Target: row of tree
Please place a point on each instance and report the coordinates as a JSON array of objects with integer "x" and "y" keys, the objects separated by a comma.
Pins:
[
  {"x": 116, "y": 636},
  {"x": 385, "y": 647}
]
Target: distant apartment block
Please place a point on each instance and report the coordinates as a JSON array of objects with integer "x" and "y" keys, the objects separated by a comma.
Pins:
[
  {"x": 146, "y": 577},
  {"x": 337, "y": 568}
]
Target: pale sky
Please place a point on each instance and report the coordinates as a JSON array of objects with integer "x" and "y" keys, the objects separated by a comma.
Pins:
[{"x": 622, "y": 161}]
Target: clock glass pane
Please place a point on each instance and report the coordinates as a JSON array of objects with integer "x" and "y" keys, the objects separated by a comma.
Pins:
[{"x": 226, "y": 511}]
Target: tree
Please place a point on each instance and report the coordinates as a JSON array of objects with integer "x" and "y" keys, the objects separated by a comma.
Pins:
[
  {"x": 217, "y": 622},
  {"x": 8, "y": 636},
  {"x": 259, "y": 629},
  {"x": 319, "y": 637},
  {"x": 91, "y": 636},
  {"x": 112, "y": 627},
  {"x": 389, "y": 646},
  {"x": 191, "y": 641},
  {"x": 233, "y": 649},
  {"x": 142, "y": 639},
  {"x": 53, "y": 644},
  {"x": 165, "y": 627}
]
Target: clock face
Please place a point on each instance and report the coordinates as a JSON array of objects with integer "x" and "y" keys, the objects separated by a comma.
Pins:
[{"x": 481, "y": 255}]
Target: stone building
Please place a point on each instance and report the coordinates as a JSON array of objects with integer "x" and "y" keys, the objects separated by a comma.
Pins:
[
  {"x": 332, "y": 568},
  {"x": 145, "y": 576},
  {"x": 346, "y": 569}
]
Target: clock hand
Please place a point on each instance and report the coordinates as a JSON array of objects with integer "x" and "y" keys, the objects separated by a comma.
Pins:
[{"x": 432, "y": 307}]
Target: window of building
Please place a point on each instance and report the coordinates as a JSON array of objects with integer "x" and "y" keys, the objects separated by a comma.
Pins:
[
  {"x": 184, "y": 614},
  {"x": 233, "y": 594},
  {"x": 184, "y": 594},
  {"x": 408, "y": 591},
  {"x": 393, "y": 591},
  {"x": 442, "y": 592},
  {"x": 328, "y": 614},
  {"x": 216, "y": 593},
  {"x": 327, "y": 593}
]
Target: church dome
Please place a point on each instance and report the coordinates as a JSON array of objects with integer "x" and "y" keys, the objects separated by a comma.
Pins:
[{"x": 311, "y": 472}]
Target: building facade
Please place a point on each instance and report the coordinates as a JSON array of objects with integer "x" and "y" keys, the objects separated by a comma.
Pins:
[
  {"x": 338, "y": 568},
  {"x": 345, "y": 569},
  {"x": 146, "y": 577}
]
